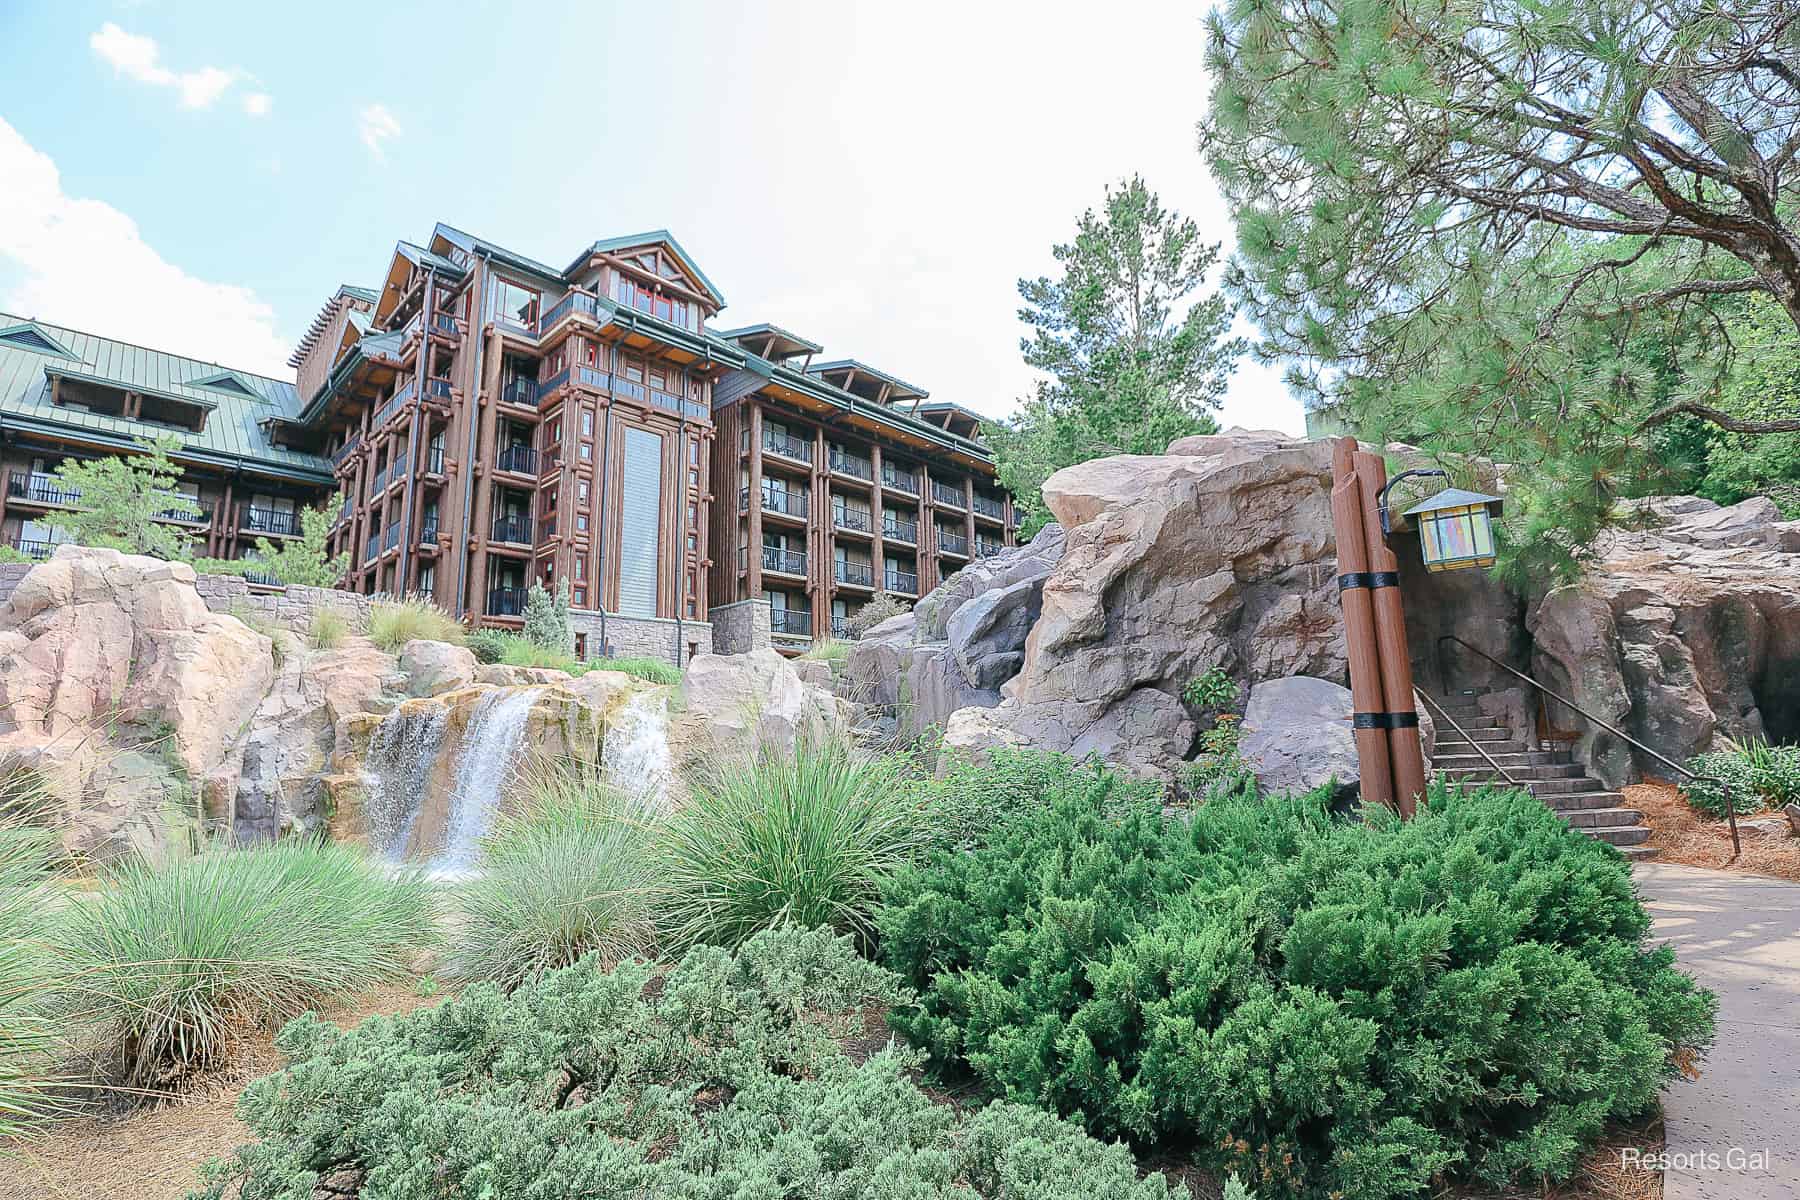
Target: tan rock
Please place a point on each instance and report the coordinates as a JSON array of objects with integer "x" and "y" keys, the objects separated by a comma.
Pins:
[
  {"x": 741, "y": 704},
  {"x": 433, "y": 667}
]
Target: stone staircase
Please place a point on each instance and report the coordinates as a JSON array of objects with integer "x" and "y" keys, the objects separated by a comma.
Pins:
[{"x": 1552, "y": 775}]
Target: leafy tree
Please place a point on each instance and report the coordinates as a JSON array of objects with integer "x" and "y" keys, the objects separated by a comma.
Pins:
[
  {"x": 1133, "y": 344},
  {"x": 122, "y": 497},
  {"x": 305, "y": 560},
  {"x": 1762, "y": 383},
  {"x": 547, "y": 618}
]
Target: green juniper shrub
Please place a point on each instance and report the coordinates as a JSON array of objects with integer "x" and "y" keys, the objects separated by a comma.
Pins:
[
  {"x": 1759, "y": 775},
  {"x": 572, "y": 873},
  {"x": 974, "y": 798},
  {"x": 487, "y": 645},
  {"x": 1211, "y": 691},
  {"x": 1333, "y": 1008},
  {"x": 726, "y": 1078},
  {"x": 803, "y": 838},
  {"x": 168, "y": 962}
]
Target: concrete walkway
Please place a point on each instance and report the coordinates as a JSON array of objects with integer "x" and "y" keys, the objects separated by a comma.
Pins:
[{"x": 1732, "y": 1133}]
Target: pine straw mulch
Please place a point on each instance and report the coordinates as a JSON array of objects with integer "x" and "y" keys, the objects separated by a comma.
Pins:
[
  {"x": 1694, "y": 839},
  {"x": 155, "y": 1152}
]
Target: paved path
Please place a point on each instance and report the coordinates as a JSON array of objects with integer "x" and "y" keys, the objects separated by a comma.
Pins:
[{"x": 1740, "y": 936}]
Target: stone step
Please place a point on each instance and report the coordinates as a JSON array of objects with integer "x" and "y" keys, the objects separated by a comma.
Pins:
[
  {"x": 1456, "y": 745},
  {"x": 1477, "y": 769},
  {"x": 1637, "y": 853},
  {"x": 1459, "y": 757},
  {"x": 1611, "y": 818},
  {"x": 1620, "y": 835},
  {"x": 1493, "y": 733},
  {"x": 1567, "y": 802},
  {"x": 1468, "y": 722},
  {"x": 1566, "y": 785}
]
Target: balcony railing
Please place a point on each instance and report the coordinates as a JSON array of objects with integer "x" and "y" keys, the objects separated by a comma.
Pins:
[
  {"x": 261, "y": 578},
  {"x": 574, "y": 302},
  {"x": 520, "y": 391},
  {"x": 899, "y": 479},
  {"x": 437, "y": 389},
  {"x": 546, "y": 528},
  {"x": 185, "y": 515},
  {"x": 506, "y": 602},
  {"x": 953, "y": 543},
  {"x": 444, "y": 323},
  {"x": 846, "y": 463},
  {"x": 791, "y": 622},
  {"x": 787, "y": 446},
  {"x": 41, "y": 489},
  {"x": 624, "y": 387},
  {"x": 785, "y": 562},
  {"x": 372, "y": 548},
  {"x": 36, "y": 549},
  {"x": 900, "y": 531},
  {"x": 949, "y": 494},
  {"x": 434, "y": 460},
  {"x": 777, "y": 500},
  {"x": 902, "y": 583},
  {"x": 345, "y": 451},
  {"x": 860, "y": 520},
  {"x": 271, "y": 520},
  {"x": 987, "y": 546},
  {"x": 428, "y": 531},
  {"x": 391, "y": 539},
  {"x": 856, "y": 574},
  {"x": 840, "y": 629},
  {"x": 518, "y": 459},
  {"x": 990, "y": 506},
  {"x": 666, "y": 400},
  {"x": 394, "y": 403},
  {"x": 513, "y": 529}
]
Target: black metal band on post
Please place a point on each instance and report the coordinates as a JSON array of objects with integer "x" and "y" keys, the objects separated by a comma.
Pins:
[
  {"x": 1385, "y": 720},
  {"x": 1368, "y": 579}
]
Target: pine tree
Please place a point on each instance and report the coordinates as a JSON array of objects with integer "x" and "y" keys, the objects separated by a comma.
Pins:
[
  {"x": 547, "y": 618},
  {"x": 1131, "y": 340},
  {"x": 305, "y": 560},
  {"x": 122, "y": 498}
]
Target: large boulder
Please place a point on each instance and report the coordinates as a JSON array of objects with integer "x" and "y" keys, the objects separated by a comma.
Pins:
[
  {"x": 1216, "y": 554},
  {"x": 433, "y": 667},
  {"x": 1030, "y": 562},
  {"x": 1696, "y": 521},
  {"x": 1680, "y": 636},
  {"x": 738, "y": 705},
  {"x": 1298, "y": 736}
]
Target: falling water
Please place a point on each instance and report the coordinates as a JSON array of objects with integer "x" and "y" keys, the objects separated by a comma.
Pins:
[
  {"x": 490, "y": 751},
  {"x": 636, "y": 753},
  {"x": 397, "y": 772}
]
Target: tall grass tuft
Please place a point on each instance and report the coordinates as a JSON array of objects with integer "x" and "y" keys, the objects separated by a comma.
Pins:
[
  {"x": 573, "y": 873},
  {"x": 806, "y": 840},
  {"x": 163, "y": 966},
  {"x": 26, "y": 1030},
  {"x": 393, "y": 623},
  {"x": 328, "y": 629}
]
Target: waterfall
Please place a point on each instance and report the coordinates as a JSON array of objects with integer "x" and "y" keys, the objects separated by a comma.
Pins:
[
  {"x": 409, "y": 767},
  {"x": 636, "y": 752}
]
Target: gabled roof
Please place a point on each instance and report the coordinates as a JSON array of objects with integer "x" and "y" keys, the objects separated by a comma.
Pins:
[
  {"x": 899, "y": 389},
  {"x": 233, "y": 433},
  {"x": 656, "y": 237},
  {"x": 469, "y": 243},
  {"x": 28, "y": 335},
  {"x": 226, "y": 381},
  {"x": 787, "y": 342}
]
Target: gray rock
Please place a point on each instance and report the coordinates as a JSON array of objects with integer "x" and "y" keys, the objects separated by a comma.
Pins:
[
  {"x": 1032, "y": 561},
  {"x": 433, "y": 667},
  {"x": 987, "y": 634},
  {"x": 1791, "y": 811},
  {"x": 1297, "y": 736}
]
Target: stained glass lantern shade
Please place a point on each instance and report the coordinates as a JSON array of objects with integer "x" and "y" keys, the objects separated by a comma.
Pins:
[{"x": 1456, "y": 529}]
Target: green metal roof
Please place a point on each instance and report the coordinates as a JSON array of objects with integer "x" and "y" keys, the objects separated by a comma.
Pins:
[
  {"x": 663, "y": 236},
  {"x": 764, "y": 329},
  {"x": 426, "y": 258},
  {"x": 851, "y": 364},
  {"x": 233, "y": 432},
  {"x": 367, "y": 295}
]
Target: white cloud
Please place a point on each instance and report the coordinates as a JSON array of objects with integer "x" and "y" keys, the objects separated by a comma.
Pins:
[
  {"x": 84, "y": 264},
  {"x": 257, "y": 104},
  {"x": 375, "y": 125},
  {"x": 138, "y": 57}
]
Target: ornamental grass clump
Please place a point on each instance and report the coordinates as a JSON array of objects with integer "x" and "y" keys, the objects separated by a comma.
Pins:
[
  {"x": 165, "y": 964},
  {"x": 1330, "y": 1007},
  {"x": 726, "y": 1076},
  {"x": 806, "y": 839},
  {"x": 27, "y": 985},
  {"x": 573, "y": 873},
  {"x": 393, "y": 623}
]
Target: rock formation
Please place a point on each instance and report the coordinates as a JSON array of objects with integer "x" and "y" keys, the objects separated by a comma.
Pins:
[
  {"x": 1679, "y": 635},
  {"x": 1297, "y": 736},
  {"x": 740, "y": 704}
]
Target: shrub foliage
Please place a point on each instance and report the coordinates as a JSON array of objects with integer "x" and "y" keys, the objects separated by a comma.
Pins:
[
  {"x": 725, "y": 1079},
  {"x": 1758, "y": 775},
  {"x": 393, "y": 623},
  {"x": 1331, "y": 1008}
]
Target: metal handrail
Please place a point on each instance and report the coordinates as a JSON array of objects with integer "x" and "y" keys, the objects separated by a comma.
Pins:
[
  {"x": 1725, "y": 787},
  {"x": 1504, "y": 773}
]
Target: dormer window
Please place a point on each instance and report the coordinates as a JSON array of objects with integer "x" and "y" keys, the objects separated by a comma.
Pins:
[{"x": 516, "y": 303}]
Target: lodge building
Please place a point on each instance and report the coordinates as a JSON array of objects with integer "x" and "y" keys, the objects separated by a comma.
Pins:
[{"x": 482, "y": 420}]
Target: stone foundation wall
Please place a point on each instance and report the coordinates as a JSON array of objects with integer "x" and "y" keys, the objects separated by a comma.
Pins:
[
  {"x": 291, "y": 607},
  {"x": 642, "y": 637},
  {"x": 740, "y": 627},
  {"x": 10, "y": 574}
]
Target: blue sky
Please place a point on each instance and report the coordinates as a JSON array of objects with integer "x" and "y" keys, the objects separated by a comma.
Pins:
[{"x": 201, "y": 176}]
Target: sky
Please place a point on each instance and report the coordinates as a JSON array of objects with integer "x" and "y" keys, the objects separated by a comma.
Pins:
[{"x": 876, "y": 177}]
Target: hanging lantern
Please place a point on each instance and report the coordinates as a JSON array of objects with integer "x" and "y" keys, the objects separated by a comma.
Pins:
[{"x": 1456, "y": 529}]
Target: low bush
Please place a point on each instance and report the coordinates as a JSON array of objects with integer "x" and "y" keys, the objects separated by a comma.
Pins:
[
  {"x": 515, "y": 650},
  {"x": 975, "y": 798},
  {"x": 487, "y": 645},
  {"x": 804, "y": 839},
  {"x": 168, "y": 961},
  {"x": 727, "y": 1078},
  {"x": 393, "y": 623},
  {"x": 1759, "y": 776},
  {"x": 328, "y": 629},
  {"x": 653, "y": 669},
  {"x": 572, "y": 873},
  {"x": 882, "y": 606},
  {"x": 1333, "y": 1008}
]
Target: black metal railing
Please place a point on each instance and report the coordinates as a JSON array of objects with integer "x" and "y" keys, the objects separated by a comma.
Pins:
[
  {"x": 987, "y": 546},
  {"x": 506, "y": 602},
  {"x": 840, "y": 629},
  {"x": 899, "y": 479},
  {"x": 43, "y": 489},
  {"x": 261, "y": 578},
  {"x": 900, "y": 531},
  {"x": 793, "y": 622},
  {"x": 345, "y": 451},
  {"x": 845, "y": 517},
  {"x": 520, "y": 391},
  {"x": 787, "y": 562},
  {"x": 519, "y": 459},
  {"x": 372, "y": 549},
  {"x": 434, "y": 460},
  {"x": 428, "y": 531},
  {"x": 787, "y": 445},
  {"x": 514, "y": 529},
  {"x": 846, "y": 463},
  {"x": 989, "y": 506},
  {"x": 437, "y": 389},
  {"x": 948, "y": 494},
  {"x": 391, "y": 539},
  {"x": 1724, "y": 786},
  {"x": 546, "y": 527},
  {"x": 186, "y": 514},
  {"x": 36, "y": 549},
  {"x": 856, "y": 574},
  {"x": 777, "y": 500},
  {"x": 271, "y": 520},
  {"x": 953, "y": 543},
  {"x": 904, "y": 583}
]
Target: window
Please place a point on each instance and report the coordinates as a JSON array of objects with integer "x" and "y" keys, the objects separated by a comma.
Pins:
[
  {"x": 634, "y": 372},
  {"x": 658, "y": 380},
  {"x": 519, "y": 303},
  {"x": 581, "y": 491},
  {"x": 587, "y": 422},
  {"x": 694, "y": 452},
  {"x": 581, "y": 522},
  {"x": 581, "y": 567},
  {"x": 592, "y": 354},
  {"x": 587, "y": 452},
  {"x": 581, "y": 647},
  {"x": 580, "y": 599}
]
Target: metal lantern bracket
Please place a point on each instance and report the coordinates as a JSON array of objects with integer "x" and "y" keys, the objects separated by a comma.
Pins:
[{"x": 1382, "y": 496}]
